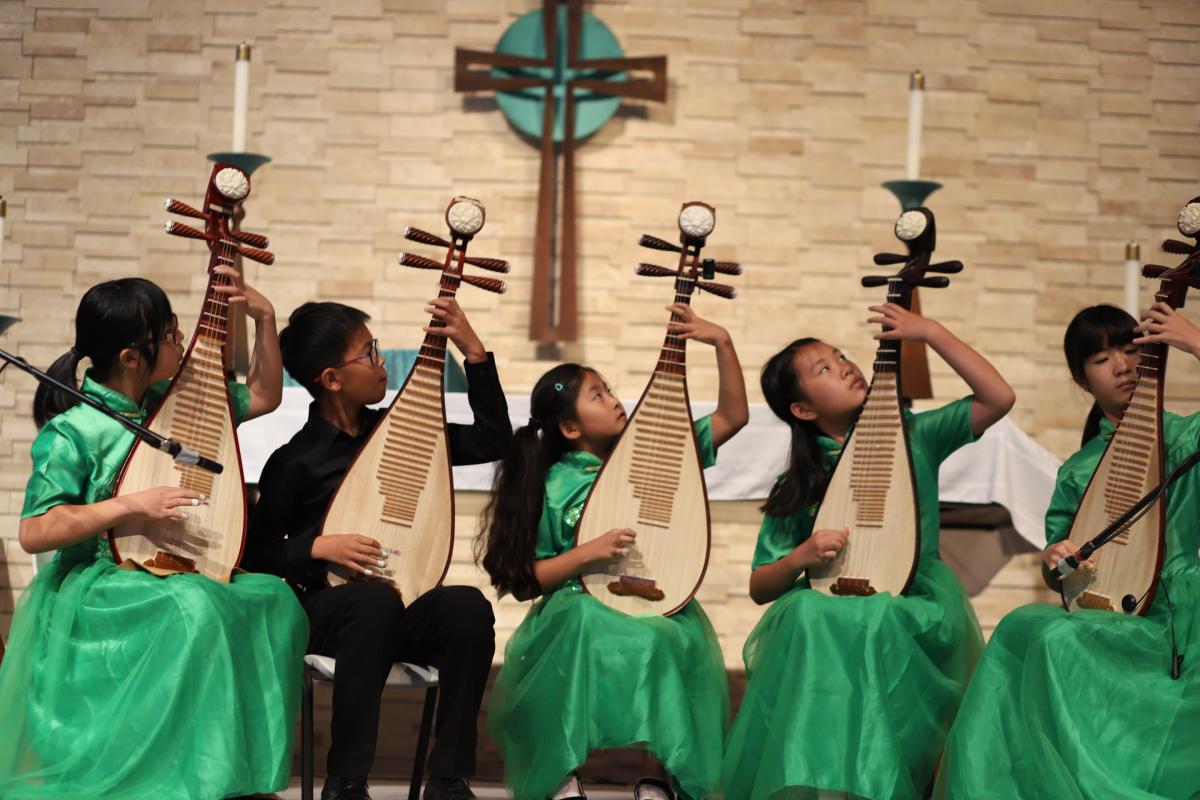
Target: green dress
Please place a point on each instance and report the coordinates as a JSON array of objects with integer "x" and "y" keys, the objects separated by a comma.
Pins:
[
  {"x": 118, "y": 684},
  {"x": 578, "y": 676},
  {"x": 1074, "y": 706},
  {"x": 856, "y": 694}
]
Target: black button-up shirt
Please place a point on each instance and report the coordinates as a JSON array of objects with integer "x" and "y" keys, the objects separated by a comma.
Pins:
[{"x": 299, "y": 479}]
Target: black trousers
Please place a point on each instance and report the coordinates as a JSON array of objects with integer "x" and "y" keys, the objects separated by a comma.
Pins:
[{"x": 367, "y": 628}]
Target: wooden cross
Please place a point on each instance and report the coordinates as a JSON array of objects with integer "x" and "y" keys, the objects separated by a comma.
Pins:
[{"x": 552, "y": 317}]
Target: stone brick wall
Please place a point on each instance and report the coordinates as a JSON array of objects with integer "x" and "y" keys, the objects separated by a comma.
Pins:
[{"x": 1060, "y": 130}]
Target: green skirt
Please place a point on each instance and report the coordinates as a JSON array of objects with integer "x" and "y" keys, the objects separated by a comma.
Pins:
[
  {"x": 852, "y": 694},
  {"x": 578, "y": 676},
  {"x": 1082, "y": 706},
  {"x": 118, "y": 684}
]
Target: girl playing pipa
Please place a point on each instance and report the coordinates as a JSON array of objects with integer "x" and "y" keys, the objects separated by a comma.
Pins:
[
  {"x": 851, "y": 696},
  {"x": 1103, "y": 702},
  {"x": 579, "y": 675}
]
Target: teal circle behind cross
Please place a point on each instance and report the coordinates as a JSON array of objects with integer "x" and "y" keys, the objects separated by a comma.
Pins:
[{"x": 524, "y": 107}]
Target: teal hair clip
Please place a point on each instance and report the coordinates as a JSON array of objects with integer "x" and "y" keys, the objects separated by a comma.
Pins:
[{"x": 558, "y": 387}]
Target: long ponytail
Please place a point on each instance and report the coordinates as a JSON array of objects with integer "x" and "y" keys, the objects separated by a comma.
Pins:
[{"x": 508, "y": 535}]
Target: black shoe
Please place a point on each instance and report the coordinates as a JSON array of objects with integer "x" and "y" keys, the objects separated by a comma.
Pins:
[
  {"x": 338, "y": 789},
  {"x": 437, "y": 788}
]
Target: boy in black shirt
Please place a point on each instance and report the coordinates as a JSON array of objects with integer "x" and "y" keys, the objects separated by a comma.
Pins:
[{"x": 366, "y": 625}]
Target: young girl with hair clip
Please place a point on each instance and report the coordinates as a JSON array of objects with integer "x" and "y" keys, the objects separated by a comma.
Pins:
[
  {"x": 578, "y": 676},
  {"x": 852, "y": 696},
  {"x": 1083, "y": 704},
  {"x": 117, "y": 683}
]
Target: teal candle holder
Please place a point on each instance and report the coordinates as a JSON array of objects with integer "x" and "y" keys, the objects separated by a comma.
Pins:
[
  {"x": 246, "y": 162},
  {"x": 911, "y": 194}
]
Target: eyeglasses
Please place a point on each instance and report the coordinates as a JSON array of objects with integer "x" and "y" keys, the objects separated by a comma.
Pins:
[{"x": 372, "y": 355}]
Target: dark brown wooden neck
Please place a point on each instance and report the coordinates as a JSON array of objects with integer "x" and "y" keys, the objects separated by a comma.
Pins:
[
  {"x": 432, "y": 354},
  {"x": 213, "y": 325},
  {"x": 673, "y": 357},
  {"x": 887, "y": 354}
]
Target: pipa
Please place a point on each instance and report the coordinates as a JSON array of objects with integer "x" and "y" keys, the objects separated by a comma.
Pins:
[
  {"x": 872, "y": 491},
  {"x": 196, "y": 411},
  {"x": 653, "y": 481},
  {"x": 399, "y": 489},
  {"x": 1126, "y": 569}
]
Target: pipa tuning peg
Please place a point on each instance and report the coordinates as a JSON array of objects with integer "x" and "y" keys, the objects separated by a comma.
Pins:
[
  {"x": 655, "y": 243},
  {"x": 183, "y": 209},
  {"x": 1177, "y": 247},
  {"x": 420, "y": 262},
  {"x": 883, "y": 259},
  {"x": 487, "y": 284},
  {"x": 872, "y": 281},
  {"x": 936, "y": 282},
  {"x": 654, "y": 271},
  {"x": 424, "y": 237},
  {"x": 252, "y": 239},
  {"x": 1154, "y": 270},
  {"x": 945, "y": 267},
  {"x": 727, "y": 267},
  {"x": 719, "y": 289},
  {"x": 255, "y": 254},
  {"x": 494, "y": 264},
  {"x": 186, "y": 231}
]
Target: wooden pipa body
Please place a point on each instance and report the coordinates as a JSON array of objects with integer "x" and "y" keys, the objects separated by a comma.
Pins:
[
  {"x": 653, "y": 482},
  {"x": 1125, "y": 576},
  {"x": 399, "y": 489},
  {"x": 872, "y": 491},
  {"x": 197, "y": 412}
]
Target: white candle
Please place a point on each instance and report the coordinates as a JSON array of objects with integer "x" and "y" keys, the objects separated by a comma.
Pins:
[
  {"x": 241, "y": 94},
  {"x": 1133, "y": 270},
  {"x": 916, "y": 107}
]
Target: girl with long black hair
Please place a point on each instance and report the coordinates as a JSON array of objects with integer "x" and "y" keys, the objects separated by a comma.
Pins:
[
  {"x": 578, "y": 675},
  {"x": 851, "y": 697},
  {"x": 117, "y": 683}
]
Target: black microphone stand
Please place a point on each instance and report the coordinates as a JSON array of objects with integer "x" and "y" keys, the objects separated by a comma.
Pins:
[{"x": 1071, "y": 563}]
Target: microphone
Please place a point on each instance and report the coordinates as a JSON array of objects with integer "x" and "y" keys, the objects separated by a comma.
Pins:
[
  {"x": 185, "y": 455},
  {"x": 1066, "y": 566},
  {"x": 1069, "y": 564}
]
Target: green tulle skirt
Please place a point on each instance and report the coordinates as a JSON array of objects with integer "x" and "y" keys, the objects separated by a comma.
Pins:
[
  {"x": 579, "y": 676},
  {"x": 118, "y": 684},
  {"x": 1082, "y": 707},
  {"x": 852, "y": 694}
]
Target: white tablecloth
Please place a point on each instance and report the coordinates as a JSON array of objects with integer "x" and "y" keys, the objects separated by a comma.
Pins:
[{"x": 1005, "y": 466}]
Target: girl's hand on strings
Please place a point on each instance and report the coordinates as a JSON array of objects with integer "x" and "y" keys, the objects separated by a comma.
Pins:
[
  {"x": 1164, "y": 325},
  {"x": 163, "y": 503},
  {"x": 239, "y": 293},
  {"x": 612, "y": 545},
  {"x": 900, "y": 323},
  {"x": 694, "y": 327},
  {"x": 821, "y": 547}
]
